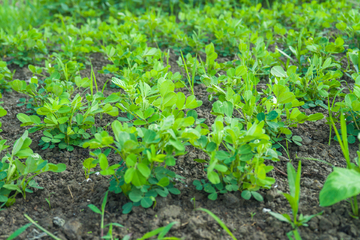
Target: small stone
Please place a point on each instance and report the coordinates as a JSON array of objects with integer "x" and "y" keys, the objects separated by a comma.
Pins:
[
  {"x": 327, "y": 237},
  {"x": 343, "y": 236},
  {"x": 150, "y": 211},
  {"x": 231, "y": 201},
  {"x": 266, "y": 210},
  {"x": 137, "y": 209},
  {"x": 73, "y": 229},
  {"x": 243, "y": 230},
  {"x": 308, "y": 182},
  {"x": 196, "y": 226},
  {"x": 46, "y": 222},
  {"x": 307, "y": 140},
  {"x": 124, "y": 217},
  {"x": 317, "y": 185},
  {"x": 58, "y": 221},
  {"x": 313, "y": 225},
  {"x": 199, "y": 196},
  {"x": 353, "y": 230},
  {"x": 171, "y": 211},
  {"x": 259, "y": 236},
  {"x": 35, "y": 234},
  {"x": 325, "y": 224},
  {"x": 271, "y": 195}
]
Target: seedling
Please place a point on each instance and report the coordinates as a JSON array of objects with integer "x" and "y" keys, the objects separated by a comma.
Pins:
[
  {"x": 48, "y": 200},
  {"x": 102, "y": 213},
  {"x": 342, "y": 184},
  {"x": 161, "y": 232},
  {"x": 293, "y": 199},
  {"x": 193, "y": 200},
  {"x": 16, "y": 175},
  {"x": 32, "y": 222}
]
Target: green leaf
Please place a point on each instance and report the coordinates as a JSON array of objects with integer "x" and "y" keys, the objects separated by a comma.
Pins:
[
  {"x": 177, "y": 144},
  {"x": 144, "y": 169},
  {"x": 103, "y": 205},
  {"x": 278, "y": 71},
  {"x": 209, "y": 188},
  {"x": 257, "y": 196},
  {"x": 146, "y": 202},
  {"x": 23, "y": 118},
  {"x": 138, "y": 179},
  {"x": 260, "y": 116},
  {"x": 103, "y": 162},
  {"x": 191, "y": 102},
  {"x": 241, "y": 70},
  {"x": 285, "y": 97},
  {"x": 341, "y": 26},
  {"x": 129, "y": 174},
  {"x": 131, "y": 160},
  {"x": 17, "y": 146},
  {"x": 94, "y": 208},
  {"x": 112, "y": 98},
  {"x": 139, "y": 122},
  {"x": 211, "y": 147},
  {"x": 163, "y": 182},
  {"x": 2, "y": 175},
  {"x": 60, "y": 167},
  {"x": 166, "y": 87},
  {"x": 135, "y": 195},
  {"x": 244, "y": 149},
  {"x": 19, "y": 231},
  {"x": 296, "y": 138},
  {"x": 272, "y": 115},
  {"x": 213, "y": 177},
  {"x": 127, "y": 207},
  {"x": 166, "y": 230},
  {"x": 221, "y": 155},
  {"x": 341, "y": 184},
  {"x": 180, "y": 100},
  {"x": 315, "y": 117},
  {"x": 88, "y": 163},
  {"x": 351, "y": 139},
  {"x": 174, "y": 191},
  {"x": 169, "y": 99},
  {"x": 246, "y": 194},
  {"x": 221, "y": 168},
  {"x": 228, "y": 108},
  {"x": 3, "y": 198},
  {"x": 213, "y": 196},
  {"x": 280, "y": 217},
  {"x": 291, "y": 178}
]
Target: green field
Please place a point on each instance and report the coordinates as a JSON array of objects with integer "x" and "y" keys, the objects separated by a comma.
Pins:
[{"x": 124, "y": 119}]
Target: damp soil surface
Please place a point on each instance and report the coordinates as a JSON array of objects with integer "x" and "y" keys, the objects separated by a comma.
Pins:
[{"x": 68, "y": 216}]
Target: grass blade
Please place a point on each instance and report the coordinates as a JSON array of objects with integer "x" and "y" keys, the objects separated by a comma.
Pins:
[
  {"x": 41, "y": 228},
  {"x": 152, "y": 233},
  {"x": 166, "y": 230},
  {"x": 19, "y": 231},
  {"x": 221, "y": 223}
]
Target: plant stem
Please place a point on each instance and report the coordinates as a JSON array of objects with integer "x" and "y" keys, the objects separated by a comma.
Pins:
[
  {"x": 355, "y": 206},
  {"x": 41, "y": 228}
]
